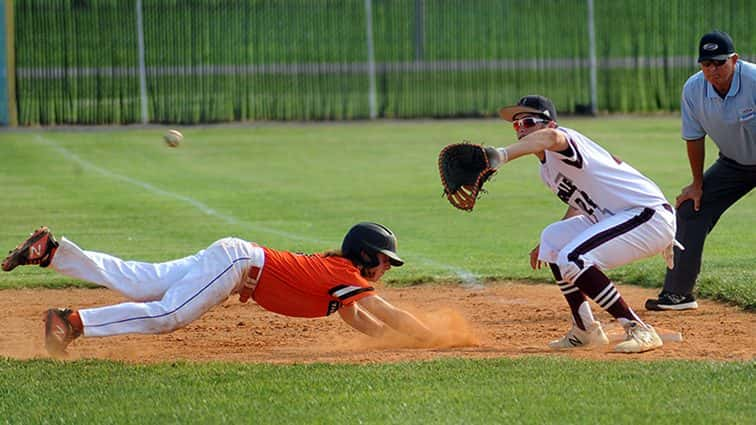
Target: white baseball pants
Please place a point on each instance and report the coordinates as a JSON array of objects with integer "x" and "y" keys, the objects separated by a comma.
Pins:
[
  {"x": 576, "y": 243},
  {"x": 167, "y": 295}
]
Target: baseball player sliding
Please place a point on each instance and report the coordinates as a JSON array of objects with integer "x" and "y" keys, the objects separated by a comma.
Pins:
[
  {"x": 615, "y": 215},
  {"x": 167, "y": 296}
]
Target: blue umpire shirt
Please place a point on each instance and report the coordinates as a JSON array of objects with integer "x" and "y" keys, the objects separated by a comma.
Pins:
[{"x": 729, "y": 122}]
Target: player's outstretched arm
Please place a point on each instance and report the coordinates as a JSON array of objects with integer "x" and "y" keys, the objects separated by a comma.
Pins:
[
  {"x": 396, "y": 318},
  {"x": 539, "y": 141},
  {"x": 361, "y": 320}
]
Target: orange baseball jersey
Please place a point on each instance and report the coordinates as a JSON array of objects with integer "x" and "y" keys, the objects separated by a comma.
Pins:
[{"x": 308, "y": 285}]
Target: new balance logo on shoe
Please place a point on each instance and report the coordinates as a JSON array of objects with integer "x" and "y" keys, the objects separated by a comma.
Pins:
[
  {"x": 60, "y": 332},
  {"x": 670, "y": 301},
  {"x": 577, "y": 338},
  {"x": 39, "y": 248},
  {"x": 36, "y": 251},
  {"x": 676, "y": 298}
]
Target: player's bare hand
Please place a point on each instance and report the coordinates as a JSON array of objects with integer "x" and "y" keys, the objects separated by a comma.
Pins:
[
  {"x": 693, "y": 192},
  {"x": 245, "y": 294},
  {"x": 535, "y": 263}
]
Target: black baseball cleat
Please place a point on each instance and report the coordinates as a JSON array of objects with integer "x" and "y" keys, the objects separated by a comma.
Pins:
[
  {"x": 670, "y": 301},
  {"x": 38, "y": 248},
  {"x": 58, "y": 331}
]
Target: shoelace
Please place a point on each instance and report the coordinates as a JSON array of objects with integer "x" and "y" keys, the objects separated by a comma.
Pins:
[{"x": 640, "y": 334}]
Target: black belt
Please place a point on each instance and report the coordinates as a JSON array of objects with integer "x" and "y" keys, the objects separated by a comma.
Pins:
[{"x": 736, "y": 163}]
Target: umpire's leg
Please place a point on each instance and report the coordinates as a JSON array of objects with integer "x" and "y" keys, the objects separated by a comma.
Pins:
[{"x": 724, "y": 183}]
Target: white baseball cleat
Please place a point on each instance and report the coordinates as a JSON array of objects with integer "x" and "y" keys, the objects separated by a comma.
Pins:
[
  {"x": 640, "y": 338},
  {"x": 577, "y": 338}
]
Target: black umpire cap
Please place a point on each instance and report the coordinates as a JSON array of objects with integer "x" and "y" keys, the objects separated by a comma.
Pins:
[{"x": 716, "y": 45}]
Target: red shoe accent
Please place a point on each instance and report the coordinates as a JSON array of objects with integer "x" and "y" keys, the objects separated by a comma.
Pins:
[
  {"x": 58, "y": 331},
  {"x": 38, "y": 248},
  {"x": 75, "y": 320}
]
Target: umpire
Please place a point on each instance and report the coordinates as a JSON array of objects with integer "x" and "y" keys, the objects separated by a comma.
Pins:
[{"x": 719, "y": 100}]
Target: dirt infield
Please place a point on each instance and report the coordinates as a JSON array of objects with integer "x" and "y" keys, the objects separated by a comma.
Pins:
[{"x": 499, "y": 320}]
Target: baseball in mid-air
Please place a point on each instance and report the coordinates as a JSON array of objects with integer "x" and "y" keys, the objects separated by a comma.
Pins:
[{"x": 173, "y": 138}]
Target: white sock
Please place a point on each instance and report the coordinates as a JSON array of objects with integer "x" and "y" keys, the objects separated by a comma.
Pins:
[{"x": 586, "y": 315}]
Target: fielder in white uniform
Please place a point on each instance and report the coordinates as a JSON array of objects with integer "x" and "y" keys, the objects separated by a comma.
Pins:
[{"x": 615, "y": 215}]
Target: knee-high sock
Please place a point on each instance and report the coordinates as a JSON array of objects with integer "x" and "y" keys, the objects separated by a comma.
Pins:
[
  {"x": 575, "y": 298},
  {"x": 594, "y": 283}
]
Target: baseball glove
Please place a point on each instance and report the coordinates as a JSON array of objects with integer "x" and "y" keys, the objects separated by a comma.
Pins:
[{"x": 464, "y": 167}]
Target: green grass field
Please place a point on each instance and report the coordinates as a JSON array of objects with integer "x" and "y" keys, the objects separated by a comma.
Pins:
[
  {"x": 299, "y": 187},
  {"x": 506, "y": 391}
]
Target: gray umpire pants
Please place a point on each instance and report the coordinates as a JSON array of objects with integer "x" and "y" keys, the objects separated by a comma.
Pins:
[{"x": 724, "y": 183}]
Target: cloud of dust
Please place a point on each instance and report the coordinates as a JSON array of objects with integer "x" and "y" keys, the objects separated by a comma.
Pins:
[
  {"x": 25, "y": 348},
  {"x": 448, "y": 326}
]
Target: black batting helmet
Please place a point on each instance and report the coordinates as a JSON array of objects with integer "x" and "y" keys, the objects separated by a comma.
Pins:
[{"x": 370, "y": 239}]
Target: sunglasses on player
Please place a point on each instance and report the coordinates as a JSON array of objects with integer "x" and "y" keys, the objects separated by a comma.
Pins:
[{"x": 526, "y": 123}]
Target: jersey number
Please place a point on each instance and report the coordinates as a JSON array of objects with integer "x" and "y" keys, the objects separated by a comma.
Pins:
[{"x": 565, "y": 191}]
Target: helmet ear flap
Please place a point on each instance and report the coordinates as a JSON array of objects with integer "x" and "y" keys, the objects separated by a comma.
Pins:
[{"x": 369, "y": 259}]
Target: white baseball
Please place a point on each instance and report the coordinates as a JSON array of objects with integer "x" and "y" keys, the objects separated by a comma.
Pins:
[{"x": 173, "y": 138}]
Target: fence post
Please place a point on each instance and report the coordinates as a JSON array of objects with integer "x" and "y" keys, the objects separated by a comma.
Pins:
[
  {"x": 142, "y": 67},
  {"x": 8, "y": 110},
  {"x": 371, "y": 59},
  {"x": 419, "y": 30},
  {"x": 592, "y": 58}
]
